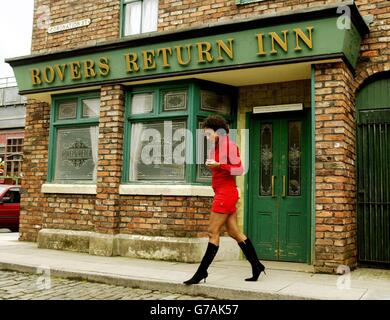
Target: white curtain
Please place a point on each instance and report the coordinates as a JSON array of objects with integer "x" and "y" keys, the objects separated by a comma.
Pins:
[
  {"x": 133, "y": 18},
  {"x": 94, "y": 134},
  {"x": 135, "y": 150},
  {"x": 149, "y": 15}
]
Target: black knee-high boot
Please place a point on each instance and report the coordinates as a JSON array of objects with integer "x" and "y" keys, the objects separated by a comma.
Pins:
[
  {"x": 201, "y": 273},
  {"x": 250, "y": 253}
]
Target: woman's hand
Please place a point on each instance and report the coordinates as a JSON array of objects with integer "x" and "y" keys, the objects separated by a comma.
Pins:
[{"x": 211, "y": 164}]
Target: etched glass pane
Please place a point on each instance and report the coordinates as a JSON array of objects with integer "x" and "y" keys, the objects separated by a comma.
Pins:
[
  {"x": 67, "y": 110},
  {"x": 158, "y": 151},
  {"x": 175, "y": 100},
  {"x": 76, "y": 154},
  {"x": 202, "y": 151},
  {"x": 91, "y": 108},
  {"x": 214, "y": 102},
  {"x": 294, "y": 158},
  {"x": 266, "y": 160},
  {"x": 142, "y": 103}
]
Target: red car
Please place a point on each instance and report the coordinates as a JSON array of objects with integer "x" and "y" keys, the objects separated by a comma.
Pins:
[{"x": 9, "y": 207}]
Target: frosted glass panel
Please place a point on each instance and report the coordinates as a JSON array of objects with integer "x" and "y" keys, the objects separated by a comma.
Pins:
[
  {"x": 294, "y": 158},
  {"x": 142, "y": 103},
  {"x": 266, "y": 160},
  {"x": 202, "y": 151},
  {"x": 154, "y": 156},
  {"x": 67, "y": 110},
  {"x": 76, "y": 154},
  {"x": 91, "y": 108},
  {"x": 214, "y": 102},
  {"x": 175, "y": 100}
]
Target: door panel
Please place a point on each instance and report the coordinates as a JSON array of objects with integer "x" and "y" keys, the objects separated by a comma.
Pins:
[
  {"x": 264, "y": 232},
  {"x": 264, "y": 225},
  {"x": 279, "y": 188},
  {"x": 374, "y": 186}
]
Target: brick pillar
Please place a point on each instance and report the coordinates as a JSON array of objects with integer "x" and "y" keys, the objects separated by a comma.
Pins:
[
  {"x": 106, "y": 218},
  {"x": 34, "y": 168},
  {"x": 335, "y": 168}
]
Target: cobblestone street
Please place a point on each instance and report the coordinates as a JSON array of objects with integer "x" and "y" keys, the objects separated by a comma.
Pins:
[{"x": 22, "y": 286}]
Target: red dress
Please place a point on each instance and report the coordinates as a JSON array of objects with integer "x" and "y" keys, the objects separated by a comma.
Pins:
[{"x": 223, "y": 178}]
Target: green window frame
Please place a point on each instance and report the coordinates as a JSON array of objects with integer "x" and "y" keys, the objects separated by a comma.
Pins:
[
  {"x": 80, "y": 153},
  {"x": 143, "y": 7},
  {"x": 192, "y": 116}
]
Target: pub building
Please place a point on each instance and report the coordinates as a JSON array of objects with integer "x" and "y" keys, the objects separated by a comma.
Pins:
[{"x": 304, "y": 83}]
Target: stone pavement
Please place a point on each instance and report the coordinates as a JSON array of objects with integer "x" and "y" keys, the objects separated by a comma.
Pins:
[
  {"x": 26, "y": 286},
  {"x": 225, "y": 281}
]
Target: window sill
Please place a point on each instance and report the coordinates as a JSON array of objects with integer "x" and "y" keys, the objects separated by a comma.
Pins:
[
  {"x": 166, "y": 190},
  {"x": 68, "y": 188}
]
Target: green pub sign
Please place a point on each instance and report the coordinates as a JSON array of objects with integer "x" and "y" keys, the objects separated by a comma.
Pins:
[{"x": 320, "y": 38}]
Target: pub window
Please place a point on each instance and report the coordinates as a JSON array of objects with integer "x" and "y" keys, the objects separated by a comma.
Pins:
[
  {"x": 159, "y": 120},
  {"x": 213, "y": 100},
  {"x": 14, "y": 157},
  {"x": 139, "y": 16},
  {"x": 74, "y": 138}
]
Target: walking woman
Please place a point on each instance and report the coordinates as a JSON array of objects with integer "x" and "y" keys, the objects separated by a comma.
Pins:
[{"x": 224, "y": 162}]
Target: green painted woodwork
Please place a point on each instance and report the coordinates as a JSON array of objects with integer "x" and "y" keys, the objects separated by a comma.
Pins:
[
  {"x": 110, "y": 65},
  {"x": 373, "y": 183},
  {"x": 375, "y": 95},
  {"x": 55, "y": 124},
  {"x": 279, "y": 223},
  {"x": 313, "y": 163}
]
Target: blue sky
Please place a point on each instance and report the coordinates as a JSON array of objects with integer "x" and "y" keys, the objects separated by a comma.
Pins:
[{"x": 16, "y": 19}]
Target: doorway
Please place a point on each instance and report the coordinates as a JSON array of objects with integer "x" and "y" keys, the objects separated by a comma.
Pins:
[{"x": 278, "y": 216}]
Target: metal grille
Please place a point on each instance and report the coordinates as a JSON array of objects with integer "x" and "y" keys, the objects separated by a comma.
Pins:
[{"x": 374, "y": 186}]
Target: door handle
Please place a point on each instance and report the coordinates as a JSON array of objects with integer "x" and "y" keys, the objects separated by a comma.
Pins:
[
  {"x": 273, "y": 186},
  {"x": 284, "y": 187}
]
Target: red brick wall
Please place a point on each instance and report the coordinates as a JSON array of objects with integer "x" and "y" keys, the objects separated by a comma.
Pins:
[
  {"x": 375, "y": 49},
  {"x": 110, "y": 154},
  {"x": 275, "y": 93},
  {"x": 165, "y": 215},
  {"x": 68, "y": 212},
  {"x": 104, "y": 25},
  {"x": 335, "y": 168},
  {"x": 34, "y": 169},
  {"x": 188, "y": 13}
]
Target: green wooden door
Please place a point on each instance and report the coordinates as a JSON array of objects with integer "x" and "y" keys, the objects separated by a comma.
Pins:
[
  {"x": 373, "y": 162},
  {"x": 279, "y": 185}
]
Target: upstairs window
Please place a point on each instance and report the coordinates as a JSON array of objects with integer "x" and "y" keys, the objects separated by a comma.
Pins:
[{"x": 139, "y": 16}]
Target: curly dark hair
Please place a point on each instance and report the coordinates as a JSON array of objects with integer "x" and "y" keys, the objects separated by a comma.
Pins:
[{"x": 215, "y": 122}]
